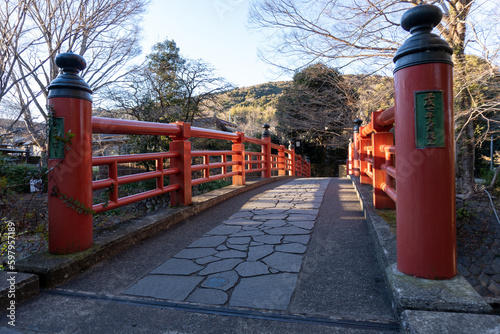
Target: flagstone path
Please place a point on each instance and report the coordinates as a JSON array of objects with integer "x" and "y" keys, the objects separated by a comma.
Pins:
[{"x": 250, "y": 260}]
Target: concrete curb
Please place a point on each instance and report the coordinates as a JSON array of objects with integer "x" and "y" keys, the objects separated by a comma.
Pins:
[
  {"x": 410, "y": 293},
  {"x": 44, "y": 270},
  {"x": 17, "y": 287}
]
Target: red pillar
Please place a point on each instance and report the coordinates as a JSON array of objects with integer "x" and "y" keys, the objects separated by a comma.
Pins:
[
  {"x": 281, "y": 161},
  {"x": 239, "y": 156},
  {"x": 181, "y": 145},
  {"x": 355, "y": 155},
  {"x": 426, "y": 241},
  {"x": 70, "y": 159},
  {"x": 380, "y": 199},
  {"x": 266, "y": 149},
  {"x": 292, "y": 159}
]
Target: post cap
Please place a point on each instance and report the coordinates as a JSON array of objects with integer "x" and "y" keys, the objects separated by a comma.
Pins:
[
  {"x": 266, "y": 132},
  {"x": 422, "y": 47},
  {"x": 69, "y": 83},
  {"x": 358, "y": 123}
]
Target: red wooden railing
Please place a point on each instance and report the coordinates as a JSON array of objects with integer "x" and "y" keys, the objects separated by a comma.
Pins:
[
  {"x": 371, "y": 157},
  {"x": 233, "y": 164}
]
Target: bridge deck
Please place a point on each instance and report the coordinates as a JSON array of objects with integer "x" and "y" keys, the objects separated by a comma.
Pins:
[{"x": 292, "y": 256}]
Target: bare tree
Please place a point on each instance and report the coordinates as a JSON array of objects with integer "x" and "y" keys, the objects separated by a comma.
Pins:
[
  {"x": 12, "y": 18},
  {"x": 366, "y": 34},
  {"x": 105, "y": 32},
  {"x": 198, "y": 85}
]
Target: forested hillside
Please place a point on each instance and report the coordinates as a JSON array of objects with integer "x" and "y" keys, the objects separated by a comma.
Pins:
[{"x": 250, "y": 107}]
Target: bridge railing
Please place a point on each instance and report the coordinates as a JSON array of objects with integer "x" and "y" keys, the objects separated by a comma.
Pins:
[
  {"x": 414, "y": 169},
  {"x": 70, "y": 162},
  {"x": 372, "y": 156},
  {"x": 233, "y": 164}
]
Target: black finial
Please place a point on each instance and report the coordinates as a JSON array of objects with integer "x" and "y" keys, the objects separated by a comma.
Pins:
[
  {"x": 69, "y": 83},
  {"x": 422, "y": 47},
  {"x": 358, "y": 123},
  {"x": 266, "y": 132},
  {"x": 70, "y": 62},
  {"x": 290, "y": 145},
  {"x": 422, "y": 17}
]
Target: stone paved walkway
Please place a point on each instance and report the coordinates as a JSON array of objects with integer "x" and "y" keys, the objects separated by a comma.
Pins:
[{"x": 250, "y": 260}]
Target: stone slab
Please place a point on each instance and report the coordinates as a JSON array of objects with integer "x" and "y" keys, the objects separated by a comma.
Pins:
[
  {"x": 265, "y": 292},
  {"x": 248, "y": 268},
  {"x": 426, "y": 322},
  {"x": 269, "y": 239},
  {"x": 296, "y": 248},
  {"x": 231, "y": 254},
  {"x": 256, "y": 253},
  {"x": 287, "y": 230},
  {"x": 284, "y": 262},
  {"x": 224, "y": 230},
  {"x": 208, "y": 296},
  {"x": 164, "y": 286},
  {"x": 220, "y": 266},
  {"x": 195, "y": 253},
  {"x": 177, "y": 267},
  {"x": 308, "y": 225},
  {"x": 303, "y": 239},
  {"x": 205, "y": 242}
]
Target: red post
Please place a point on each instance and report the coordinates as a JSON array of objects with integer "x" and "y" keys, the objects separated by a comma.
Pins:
[
  {"x": 423, "y": 77},
  {"x": 292, "y": 158},
  {"x": 350, "y": 159},
  {"x": 239, "y": 156},
  {"x": 281, "y": 161},
  {"x": 70, "y": 159},
  {"x": 181, "y": 145},
  {"x": 363, "y": 165},
  {"x": 355, "y": 157},
  {"x": 266, "y": 149},
  {"x": 380, "y": 199}
]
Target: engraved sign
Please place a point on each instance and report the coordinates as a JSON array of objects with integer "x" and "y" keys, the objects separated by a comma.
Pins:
[
  {"x": 56, "y": 147},
  {"x": 429, "y": 119}
]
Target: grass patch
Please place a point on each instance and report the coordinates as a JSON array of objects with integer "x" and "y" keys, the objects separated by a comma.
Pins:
[{"x": 390, "y": 217}]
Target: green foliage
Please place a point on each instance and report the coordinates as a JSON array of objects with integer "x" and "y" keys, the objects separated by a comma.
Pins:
[
  {"x": 17, "y": 177},
  {"x": 464, "y": 214},
  {"x": 213, "y": 185},
  {"x": 72, "y": 203}
]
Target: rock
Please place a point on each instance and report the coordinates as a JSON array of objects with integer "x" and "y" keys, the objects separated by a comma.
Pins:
[
  {"x": 494, "y": 288},
  {"x": 481, "y": 290},
  {"x": 464, "y": 271},
  {"x": 475, "y": 270},
  {"x": 484, "y": 280}
]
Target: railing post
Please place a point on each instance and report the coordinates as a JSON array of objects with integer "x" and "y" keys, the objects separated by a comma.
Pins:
[
  {"x": 356, "y": 147},
  {"x": 380, "y": 199},
  {"x": 425, "y": 180},
  {"x": 70, "y": 158},
  {"x": 281, "y": 161},
  {"x": 239, "y": 156},
  {"x": 292, "y": 157},
  {"x": 266, "y": 149},
  {"x": 363, "y": 165},
  {"x": 350, "y": 158},
  {"x": 181, "y": 145}
]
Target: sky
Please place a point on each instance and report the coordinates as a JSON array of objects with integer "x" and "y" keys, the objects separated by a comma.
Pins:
[{"x": 212, "y": 30}]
